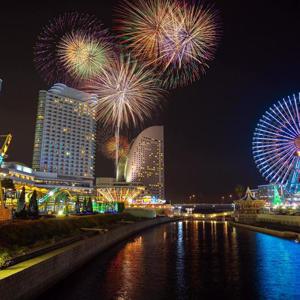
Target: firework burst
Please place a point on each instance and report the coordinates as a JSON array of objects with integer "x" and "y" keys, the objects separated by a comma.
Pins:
[
  {"x": 141, "y": 26},
  {"x": 177, "y": 38},
  {"x": 84, "y": 56},
  {"x": 109, "y": 148},
  {"x": 71, "y": 47},
  {"x": 127, "y": 94}
]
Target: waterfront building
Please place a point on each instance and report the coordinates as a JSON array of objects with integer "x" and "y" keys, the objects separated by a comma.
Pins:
[
  {"x": 49, "y": 186},
  {"x": 248, "y": 206},
  {"x": 145, "y": 162},
  {"x": 65, "y": 134},
  {"x": 108, "y": 189}
]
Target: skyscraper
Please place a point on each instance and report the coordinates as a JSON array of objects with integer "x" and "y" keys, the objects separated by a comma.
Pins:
[
  {"x": 145, "y": 163},
  {"x": 65, "y": 133}
]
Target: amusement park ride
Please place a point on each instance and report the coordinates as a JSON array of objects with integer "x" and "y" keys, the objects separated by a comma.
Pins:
[
  {"x": 5, "y": 214},
  {"x": 276, "y": 145}
]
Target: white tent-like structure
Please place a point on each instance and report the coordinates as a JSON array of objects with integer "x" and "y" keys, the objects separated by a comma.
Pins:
[{"x": 248, "y": 204}]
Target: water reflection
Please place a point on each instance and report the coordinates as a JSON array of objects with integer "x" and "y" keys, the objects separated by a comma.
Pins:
[
  {"x": 278, "y": 266},
  {"x": 125, "y": 270},
  {"x": 190, "y": 260},
  {"x": 180, "y": 258}
]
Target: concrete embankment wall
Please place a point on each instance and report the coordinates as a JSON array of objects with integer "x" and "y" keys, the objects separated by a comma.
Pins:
[
  {"x": 281, "y": 234},
  {"x": 30, "y": 278},
  {"x": 279, "y": 219}
]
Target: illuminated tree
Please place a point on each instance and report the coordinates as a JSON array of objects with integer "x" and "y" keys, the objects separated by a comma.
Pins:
[{"x": 276, "y": 199}]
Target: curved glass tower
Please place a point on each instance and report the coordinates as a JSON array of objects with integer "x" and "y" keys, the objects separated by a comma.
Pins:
[{"x": 145, "y": 163}]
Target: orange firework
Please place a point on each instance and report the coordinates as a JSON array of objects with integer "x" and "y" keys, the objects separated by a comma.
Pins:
[{"x": 109, "y": 148}]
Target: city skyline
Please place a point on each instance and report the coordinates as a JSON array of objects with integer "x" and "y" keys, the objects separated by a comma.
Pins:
[
  {"x": 230, "y": 97},
  {"x": 150, "y": 149}
]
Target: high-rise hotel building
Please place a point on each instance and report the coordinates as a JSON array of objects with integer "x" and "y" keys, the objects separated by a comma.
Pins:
[
  {"x": 65, "y": 133},
  {"x": 145, "y": 163}
]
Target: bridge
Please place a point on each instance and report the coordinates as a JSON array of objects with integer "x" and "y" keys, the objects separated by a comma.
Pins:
[
  {"x": 212, "y": 206},
  {"x": 204, "y": 211}
]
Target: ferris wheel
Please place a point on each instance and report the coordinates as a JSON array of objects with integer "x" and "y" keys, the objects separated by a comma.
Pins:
[{"x": 276, "y": 144}]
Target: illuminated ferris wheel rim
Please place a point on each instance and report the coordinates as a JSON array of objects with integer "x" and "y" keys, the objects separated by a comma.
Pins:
[{"x": 276, "y": 140}]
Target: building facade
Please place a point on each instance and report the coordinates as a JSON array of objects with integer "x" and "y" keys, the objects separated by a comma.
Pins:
[
  {"x": 65, "y": 134},
  {"x": 145, "y": 163}
]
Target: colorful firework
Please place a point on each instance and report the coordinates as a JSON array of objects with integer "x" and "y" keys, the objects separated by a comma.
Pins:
[
  {"x": 109, "y": 148},
  {"x": 55, "y": 53},
  {"x": 177, "y": 38},
  {"x": 84, "y": 56},
  {"x": 141, "y": 26},
  {"x": 127, "y": 94},
  {"x": 127, "y": 91}
]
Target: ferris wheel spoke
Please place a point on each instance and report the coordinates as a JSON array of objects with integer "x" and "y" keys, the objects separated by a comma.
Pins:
[
  {"x": 283, "y": 117},
  {"x": 268, "y": 131},
  {"x": 263, "y": 155},
  {"x": 279, "y": 129},
  {"x": 262, "y": 145},
  {"x": 280, "y": 122},
  {"x": 275, "y": 166},
  {"x": 297, "y": 110},
  {"x": 268, "y": 162},
  {"x": 274, "y": 150},
  {"x": 294, "y": 112},
  {"x": 281, "y": 168},
  {"x": 292, "y": 117},
  {"x": 288, "y": 171},
  {"x": 273, "y": 139},
  {"x": 272, "y": 166}
]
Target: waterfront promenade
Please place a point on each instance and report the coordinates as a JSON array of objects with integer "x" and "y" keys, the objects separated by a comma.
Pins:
[
  {"x": 44, "y": 271},
  {"x": 189, "y": 260}
]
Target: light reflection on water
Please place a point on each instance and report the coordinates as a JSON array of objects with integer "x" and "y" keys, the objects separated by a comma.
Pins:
[
  {"x": 190, "y": 260},
  {"x": 278, "y": 267}
]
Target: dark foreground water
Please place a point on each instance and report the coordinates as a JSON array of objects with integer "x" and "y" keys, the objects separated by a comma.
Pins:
[{"x": 190, "y": 260}]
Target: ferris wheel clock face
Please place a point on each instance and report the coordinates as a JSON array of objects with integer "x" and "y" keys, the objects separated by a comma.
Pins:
[{"x": 276, "y": 144}]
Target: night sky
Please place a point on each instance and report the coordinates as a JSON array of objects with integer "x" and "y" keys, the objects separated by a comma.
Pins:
[{"x": 208, "y": 125}]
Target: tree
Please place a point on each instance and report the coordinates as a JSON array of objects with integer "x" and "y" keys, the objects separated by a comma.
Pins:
[
  {"x": 21, "y": 201},
  {"x": 66, "y": 205},
  {"x": 77, "y": 206},
  {"x": 33, "y": 205},
  {"x": 276, "y": 199},
  {"x": 239, "y": 191},
  {"x": 90, "y": 205},
  {"x": 84, "y": 208}
]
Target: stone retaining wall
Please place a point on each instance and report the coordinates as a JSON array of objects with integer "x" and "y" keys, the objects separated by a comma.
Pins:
[
  {"x": 281, "y": 234},
  {"x": 279, "y": 219},
  {"x": 30, "y": 278}
]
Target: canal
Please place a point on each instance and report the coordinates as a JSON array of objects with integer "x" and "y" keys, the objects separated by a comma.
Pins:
[{"x": 190, "y": 260}]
